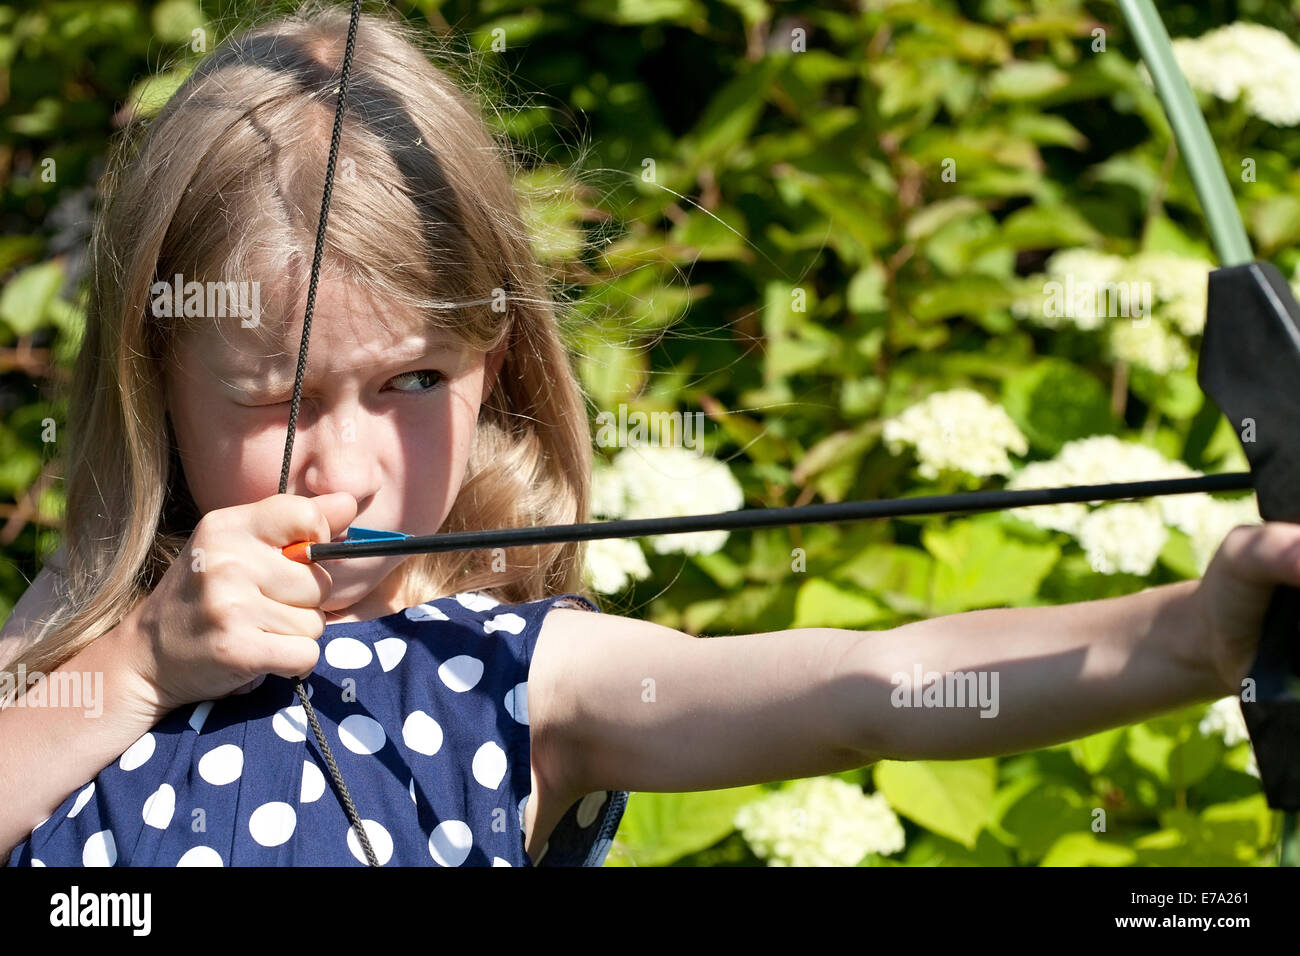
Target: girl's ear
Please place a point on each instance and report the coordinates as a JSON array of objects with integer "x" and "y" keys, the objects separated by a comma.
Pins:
[{"x": 495, "y": 359}]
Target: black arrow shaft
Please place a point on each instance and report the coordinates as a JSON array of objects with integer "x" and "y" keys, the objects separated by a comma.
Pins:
[{"x": 776, "y": 517}]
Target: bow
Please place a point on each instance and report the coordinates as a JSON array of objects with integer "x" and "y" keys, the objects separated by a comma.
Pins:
[{"x": 1245, "y": 368}]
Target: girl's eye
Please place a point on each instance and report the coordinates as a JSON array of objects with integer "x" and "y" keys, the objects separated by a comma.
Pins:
[{"x": 430, "y": 377}]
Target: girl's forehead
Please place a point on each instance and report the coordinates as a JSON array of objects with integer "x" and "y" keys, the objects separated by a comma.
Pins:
[{"x": 337, "y": 345}]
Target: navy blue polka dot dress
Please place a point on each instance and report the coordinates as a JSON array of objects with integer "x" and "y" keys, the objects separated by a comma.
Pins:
[{"x": 426, "y": 713}]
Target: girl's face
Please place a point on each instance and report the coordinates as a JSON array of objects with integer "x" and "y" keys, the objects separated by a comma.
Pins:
[{"x": 388, "y": 417}]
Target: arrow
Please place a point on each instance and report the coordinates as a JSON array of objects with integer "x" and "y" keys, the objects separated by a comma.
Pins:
[{"x": 366, "y": 543}]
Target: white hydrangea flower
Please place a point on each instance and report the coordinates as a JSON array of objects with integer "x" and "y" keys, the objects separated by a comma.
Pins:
[
  {"x": 1179, "y": 287},
  {"x": 1225, "y": 719},
  {"x": 957, "y": 430},
  {"x": 1123, "y": 537},
  {"x": 1152, "y": 345},
  {"x": 1053, "y": 298},
  {"x": 670, "y": 482},
  {"x": 1207, "y": 520},
  {"x": 821, "y": 821},
  {"x": 1048, "y": 474},
  {"x": 608, "y": 495},
  {"x": 611, "y": 562},
  {"x": 1097, "y": 460},
  {"x": 1092, "y": 290},
  {"x": 1247, "y": 59}
]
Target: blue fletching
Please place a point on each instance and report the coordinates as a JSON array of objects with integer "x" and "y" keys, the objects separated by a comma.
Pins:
[{"x": 369, "y": 534}]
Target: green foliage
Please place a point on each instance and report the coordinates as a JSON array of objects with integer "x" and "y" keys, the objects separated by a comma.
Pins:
[{"x": 760, "y": 225}]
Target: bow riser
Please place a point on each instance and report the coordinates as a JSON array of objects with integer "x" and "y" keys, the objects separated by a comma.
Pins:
[{"x": 1250, "y": 366}]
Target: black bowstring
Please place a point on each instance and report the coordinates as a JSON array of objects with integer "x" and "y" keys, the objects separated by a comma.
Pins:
[{"x": 346, "y": 69}]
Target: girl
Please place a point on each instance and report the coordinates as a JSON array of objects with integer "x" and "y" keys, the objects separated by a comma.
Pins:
[{"x": 478, "y": 711}]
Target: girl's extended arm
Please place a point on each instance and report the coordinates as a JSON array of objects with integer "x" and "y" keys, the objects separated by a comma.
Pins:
[
  {"x": 1049, "y": 674},
  {"x": 635, "y": 706},
  {"x": 47, "y": 752}
]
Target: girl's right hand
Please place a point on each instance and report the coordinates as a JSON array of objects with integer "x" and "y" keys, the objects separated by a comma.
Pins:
[{"x": 232, "y": 608}]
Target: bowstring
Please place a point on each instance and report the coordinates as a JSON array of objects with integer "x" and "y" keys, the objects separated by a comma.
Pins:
[{"x": 348, "y": 806}]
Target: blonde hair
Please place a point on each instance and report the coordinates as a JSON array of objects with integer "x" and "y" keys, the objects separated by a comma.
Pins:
[{"x": 224, "y": 184}]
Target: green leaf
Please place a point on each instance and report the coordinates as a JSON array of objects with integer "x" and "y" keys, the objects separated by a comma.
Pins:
[
  {"x": 175, "y": 20},
  {"x": 824, "y": 604},
  {"x": 1151, "y": 750},
  {"x": 730, "y": 115},
  {"x": 1095, "y": 751},
  {"x": 897, "y": 574},
  {"x": 979, "y": 566},
  {"x": 1041, "y": 812},
  {"x": 836, "y": 448},
  {"x": 658, "y": 828},
  {"x": 1054, "y": 401},
  {"x": 27, "y": 296},
  {"x": 964, "y": 295},
  {"x": 1085, "y": 849},
  {"x": 14, "y": 249},
  {"x": 612, "y": 374},
  {"x": 1163, "y": 235},
  {"x": 930, "y": 849},
  {"x": 1047, "y": 129},
  {"x": 151, "y": 94},
  {"x": 1026, "y": 81},
  {"x": 866, "y": 290},
  {"x": 713, "y": 240},
  {"x": 1177, "y": 555},
  {"x": 1275, "y": 222},
  {"x": 952, "y": 798},
  {"x": 1045, "y": 227}
]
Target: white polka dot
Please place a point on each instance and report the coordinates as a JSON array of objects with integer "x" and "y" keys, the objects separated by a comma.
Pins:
[
  {"x": 497, "y": 861},
  {"x": 272, "y": 823},
  {"x": 450, "y": 842},
  {"x": 100, "y": 849},
  {"x": 425, "y": 612},
  {"x": 589, "y": 808},
  {"x": 510, "y": 623},
  {"x": 200, "y": 856},
  {"x": 473, "y": 601},
  {"x": 290, "y": 723},
  {"x": 422, "y": 734},
  {"x": 412, "y": 788},
  {"x": 222, "y": 765},
  {"x": 200, "y": 715},
  {"x": 516, "y": 701},
  {"x": 362, "y": 734},
  {"x": 138, "y": 754},
  {"x": 313, "y": 783},
  {"x": 391, "y": 650},
  {"x": 490, "y": 765},
  {"x": 522, "y": 804},
  {"x": 380, "y": 842},
  {"x": 160, "y": 806},
  {"x": 347, "y": 653},
  {"x": 36, "y": 862},
  {"x": 82, "y": 799},
  {"x": 461, "y": 673}
]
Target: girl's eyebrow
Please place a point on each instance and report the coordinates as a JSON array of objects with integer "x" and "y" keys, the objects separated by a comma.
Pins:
[{"x": 249, "y": 380}]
